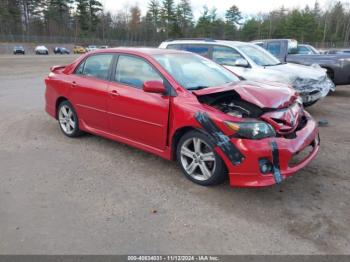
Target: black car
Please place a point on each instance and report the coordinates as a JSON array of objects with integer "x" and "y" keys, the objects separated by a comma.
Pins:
[
  {"x": 18, "y": 50},
  {"x": 61, "y": 50}
]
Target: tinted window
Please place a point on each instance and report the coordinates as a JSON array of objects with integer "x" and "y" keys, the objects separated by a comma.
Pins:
[
  {"x": 134, "y": 71},
  {"x": 96, "y": 66},
  {"x": 202, "y": 50},
  {"x": 274, "y": 48},
  {"x": 225, "y": 55}
]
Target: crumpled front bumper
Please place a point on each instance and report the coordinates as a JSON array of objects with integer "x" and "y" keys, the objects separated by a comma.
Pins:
[
  {"x": 312, "y": 90},
  {"x": 248, "y": 174}
]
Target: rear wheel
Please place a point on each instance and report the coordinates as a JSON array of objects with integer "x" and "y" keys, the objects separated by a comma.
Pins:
[
  {"x": 68, "y": 119},
  {"x": 198, "y": 159}
]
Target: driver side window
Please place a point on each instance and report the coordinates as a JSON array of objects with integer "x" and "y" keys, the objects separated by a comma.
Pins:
[
  {"x": 133, "y": 71},
  {"x": 225, "y": 55}
]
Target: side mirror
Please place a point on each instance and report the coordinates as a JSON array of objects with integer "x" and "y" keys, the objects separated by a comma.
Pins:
[
  {"x": 241, "y": 62},
  {"x": 154, "y": 86}
]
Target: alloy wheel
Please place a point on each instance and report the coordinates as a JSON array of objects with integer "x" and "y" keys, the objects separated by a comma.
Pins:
[
  {"x": 198, "y": 159},
  {"x": 67, "y": 119}
]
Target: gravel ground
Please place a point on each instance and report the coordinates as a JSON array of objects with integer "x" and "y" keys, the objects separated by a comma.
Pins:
[{"x": 95, "y": 196}]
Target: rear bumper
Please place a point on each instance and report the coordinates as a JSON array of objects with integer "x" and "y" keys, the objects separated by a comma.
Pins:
[{"x": 248, "y": 174}]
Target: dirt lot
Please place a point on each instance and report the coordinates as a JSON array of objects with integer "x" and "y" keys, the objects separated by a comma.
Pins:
[{"x": 94, "y": 196}]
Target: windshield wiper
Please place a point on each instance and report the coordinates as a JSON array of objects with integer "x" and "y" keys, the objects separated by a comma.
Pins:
[
  {"x": 275, "y": 64},
  {"x": 197, "y": 87}
]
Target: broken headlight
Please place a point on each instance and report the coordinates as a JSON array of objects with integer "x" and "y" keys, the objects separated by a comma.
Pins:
[{"x": 251, "y": 130}]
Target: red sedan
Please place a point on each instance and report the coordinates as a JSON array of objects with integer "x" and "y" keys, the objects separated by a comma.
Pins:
[{"x": 184, "y": 107}]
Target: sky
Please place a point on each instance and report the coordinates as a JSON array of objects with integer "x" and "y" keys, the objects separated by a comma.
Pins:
[{"x": 247, "y": 7}]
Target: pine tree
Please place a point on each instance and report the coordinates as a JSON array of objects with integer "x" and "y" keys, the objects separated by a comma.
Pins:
[
  {"x": 83, "y": 15},
  {"x": 184, "y": 17},
  {"x": 94, "y": 7},
  {"x": 233, "y": 16},
  {"x": 168, "y": 17}
]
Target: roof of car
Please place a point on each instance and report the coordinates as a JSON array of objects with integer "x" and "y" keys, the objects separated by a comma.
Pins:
[
  {"x": 140, "y": 50},
  {"x": 211, "y": 42}
]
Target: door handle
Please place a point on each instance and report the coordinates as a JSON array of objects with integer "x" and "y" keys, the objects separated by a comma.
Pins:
[
  {"x": 74, "y": 84},
  {"x": 114, "y": 93}
]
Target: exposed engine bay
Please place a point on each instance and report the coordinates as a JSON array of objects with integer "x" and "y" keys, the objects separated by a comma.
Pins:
[
  {"x": 230, "y": 103},
  {"x": 284, "y": 120}
]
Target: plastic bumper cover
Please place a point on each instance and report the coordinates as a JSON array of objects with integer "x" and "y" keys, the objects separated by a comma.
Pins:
[{"x": 248, "y": 174}]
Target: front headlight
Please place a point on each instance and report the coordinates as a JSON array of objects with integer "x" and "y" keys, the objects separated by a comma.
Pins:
[{"x": 251, "y": 130}]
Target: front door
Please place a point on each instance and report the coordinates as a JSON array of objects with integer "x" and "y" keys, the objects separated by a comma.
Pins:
[{"x": 134, "y": 114}]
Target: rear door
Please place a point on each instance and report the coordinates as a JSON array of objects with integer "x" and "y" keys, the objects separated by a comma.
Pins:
[
  {"x": 88, "y": 91},
  {"x": 134, "y": 114}
]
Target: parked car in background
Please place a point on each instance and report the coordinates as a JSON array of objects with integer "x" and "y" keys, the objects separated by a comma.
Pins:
[
  {"x": 182, "y": 106},
  {"x": 19, "y": 50},
  {"x": 91, "y": 48},
  {"x": 41, "y": 50},
  {"x": 337, "y": 51},
  {"x": 304, "y": 49},
  {"x": 61, "y": 50},
  {"x": 254, "y": 63},
  {"x": 79, "y": 50},
  {"x": 337, "y": 65},
  {"x": 103, "y": 47}
]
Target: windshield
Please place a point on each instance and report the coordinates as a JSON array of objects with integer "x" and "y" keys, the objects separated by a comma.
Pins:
[
  {"x": 259, "y": 55},
  {"x": 194, "y": 72},
  {"x": 313, "y": 49}
]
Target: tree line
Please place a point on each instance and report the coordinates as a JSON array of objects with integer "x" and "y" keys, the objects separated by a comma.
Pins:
[{"x": 167, "y": 19}]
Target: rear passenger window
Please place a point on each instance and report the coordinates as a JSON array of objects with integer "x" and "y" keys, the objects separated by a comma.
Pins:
[
  {"x": 202, "y": 50},
  {"x": 135, "y": 71},
  {"x": 274, "y": 48},
  {"x": 225, "y": 55},
  {"x": 96, "y": 66}
]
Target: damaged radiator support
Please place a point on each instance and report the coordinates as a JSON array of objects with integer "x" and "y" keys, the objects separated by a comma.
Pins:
[
  {"x": 219, "y": 138},
  {"x": 276, "y": 163}
]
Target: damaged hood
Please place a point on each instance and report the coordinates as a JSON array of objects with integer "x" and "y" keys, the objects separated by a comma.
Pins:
[
  {"x": 263, "y": 95},
  {"x": 302, "y": 78}
]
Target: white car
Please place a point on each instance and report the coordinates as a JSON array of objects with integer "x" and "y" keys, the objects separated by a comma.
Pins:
[
  {"x": 41, "y": 50},
  {"x": 251, "y": 62},
  {"x": 91, "y": 48}
]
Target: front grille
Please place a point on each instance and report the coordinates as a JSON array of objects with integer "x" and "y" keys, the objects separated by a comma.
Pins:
[{"x": 286, "y": 121}]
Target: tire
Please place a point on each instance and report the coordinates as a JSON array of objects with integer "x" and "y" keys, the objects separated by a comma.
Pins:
[
  {"x": 191, "y": 159},
  {"x": 68, "y": 119},
  {"x": 310, "y": 103}
]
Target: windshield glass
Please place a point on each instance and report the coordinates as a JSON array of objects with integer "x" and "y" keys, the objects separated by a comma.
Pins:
[
  {"x": 194, "y": 72},
  {"x": 259, "y": 55},
  {"x": 313, "y": 49}
]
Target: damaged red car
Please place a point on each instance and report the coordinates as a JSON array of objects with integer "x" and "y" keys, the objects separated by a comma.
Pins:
[{"x": 184, "y": 107}]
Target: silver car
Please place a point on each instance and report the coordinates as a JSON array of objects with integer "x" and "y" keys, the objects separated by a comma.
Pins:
[{"x": 252, "y": 62}]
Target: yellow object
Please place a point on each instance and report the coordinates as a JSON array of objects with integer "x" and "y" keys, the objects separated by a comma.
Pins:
[{"x": 79, "y": 50}]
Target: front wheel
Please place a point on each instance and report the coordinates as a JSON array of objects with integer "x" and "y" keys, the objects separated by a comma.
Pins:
[
  {"x": 307, "y": 104},
  {"x": 68, "y": 119},
  {"x": 199, "y": 161}
]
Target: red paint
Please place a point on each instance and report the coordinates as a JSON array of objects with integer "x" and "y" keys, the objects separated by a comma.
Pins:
[{"x": 149, "y": 121}]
